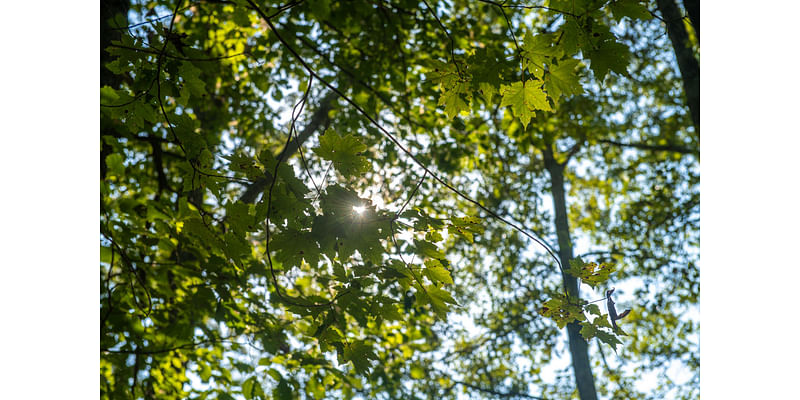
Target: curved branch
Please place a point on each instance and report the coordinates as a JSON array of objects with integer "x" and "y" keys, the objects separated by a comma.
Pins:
[
  {"x": 511, "y": 394},
  {"x": 318, "y": 119}
]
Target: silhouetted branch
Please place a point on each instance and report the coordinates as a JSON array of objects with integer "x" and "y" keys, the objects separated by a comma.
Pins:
[{"x": 644, "y": 146}]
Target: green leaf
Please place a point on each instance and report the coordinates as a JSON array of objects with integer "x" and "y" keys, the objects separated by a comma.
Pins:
[
  {"x": 537, "y": 51},
  {"x": 185, "y": 130},
  {"x": 609, "y": 55},
  {"x": 488, "y": 91},
  {"x": 452, "y": 100},
  {"x": 111, "y": 96},
  {"x": 466, "y": 227},
  {"x": 428, "y": 249},
  {"x": 191, "y": 77},
  {"x": 244, "y": 164},
  {"x": 105, "y": 254},
  {"x": 360, "y": 353},
  {"x": 630, "y": 8},
  {"x": 389, "y": 311},
  {"x": 433, "y": 236},
  {"x": 561, "y": 312},
  {"x": 195, "y": 227},
  {"x": 251, "y": 389},
  {"x": 573, "y": 37},
  {"x": 283, "y": 391},
  {"x": 223, "y": 395},
  {"x": 602, "y": 321},
  {"x": 236, "y": 245},
  {"x": 440, "y": 299},
  {"x": 445, "y": 74},
  {"x": 588, "y": 331},
  {"x": 114, "y": 164},
  {"x": 607, "y": 338},
  {"x": 436, "y": 272},
  {"x": 321, "y": 9},
  {"x": 563, "y": 80},
  {"x": 417, "y": 372},
  {"x": 525, "y": 98},
  {"x": 590, "y": 273},
  {"x": 241, "y": 16},
  {"x": 238, "y": 215},
  {"x": 292, "y": 246},
  {"x": 593, "y": 309},
  {"x": 344, "y": 152}
]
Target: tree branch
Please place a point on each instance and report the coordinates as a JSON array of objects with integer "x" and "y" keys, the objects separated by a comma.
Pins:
[
  {"x": 158, "y": 165},
  {"x": 512, "y": 394},
  {"x": 318, "y": 119},
  {"x": 644, "y": 146}
]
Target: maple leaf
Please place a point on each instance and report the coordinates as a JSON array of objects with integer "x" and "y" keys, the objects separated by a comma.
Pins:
[
  {"x": 361, "y": 354},
  {"x": 292, "y": 246},
  {"x": 524, "y": 98},
  {"x": 437, "y": 272},
  {"x": 452, "y": 102},
  {"x": 536, "y": 51},
  {"x": 439, "y": 299},
  {"x": 562, "y": 79},
  {"x": 344, "y": 152},
  {"x": 592, "y": 274},
  {"x": 630, "y": 8},
  {"x": 561, "y": 312},
  {"x": 609, "y": 55}
]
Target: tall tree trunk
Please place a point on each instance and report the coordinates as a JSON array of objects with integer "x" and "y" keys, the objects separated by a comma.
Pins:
[
  {"x": 108, "y": 9},
  {"x": 687, "y": 63},
  {"x": 693, "y": 9},
  {"x": 108, "y": 32},
  {"x": 578, "y": 347}
]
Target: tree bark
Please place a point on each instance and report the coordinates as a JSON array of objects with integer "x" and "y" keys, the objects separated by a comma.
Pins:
[
  {"x": 693, "y": 9},
  {"x": 107, "y": 78},
  {"x": 108, "y": 32},
  {"x": 578, "y": 347},
  {"x": 687, "y": 63}
]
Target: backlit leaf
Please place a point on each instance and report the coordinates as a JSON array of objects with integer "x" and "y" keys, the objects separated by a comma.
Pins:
[
  {"x": 525, "y": 98},
  {"x": 563, "y": 80},
  {"x": 344, "y": 152}
]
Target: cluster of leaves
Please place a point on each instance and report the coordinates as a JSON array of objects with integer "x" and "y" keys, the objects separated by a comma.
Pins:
[
  {"x": 548, "y": 67},
  {"x": 563, "y": 309},
  {"x": 231, "y": 267}
]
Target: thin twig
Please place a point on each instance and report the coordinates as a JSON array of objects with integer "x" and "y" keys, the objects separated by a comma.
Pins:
[
  {"x": 502, "y": 5},
  {"x": 452, "y": 42},
  {"x": 158, "y": 53},
  {"x": 513, "y": 35}
]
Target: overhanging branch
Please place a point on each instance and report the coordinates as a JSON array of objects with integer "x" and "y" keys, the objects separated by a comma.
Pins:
[
  {"x": 644, "y": 146},
  {"x": 318, "y": 119}
]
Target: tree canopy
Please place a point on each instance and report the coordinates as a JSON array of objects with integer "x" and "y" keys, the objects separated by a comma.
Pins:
[{"x": 398, "y": 199}]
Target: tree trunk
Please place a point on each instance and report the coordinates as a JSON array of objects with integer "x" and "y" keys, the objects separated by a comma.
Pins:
[
  {"x": 107, "y": 78},
  {"x": 688, "y": 65},
  {"x": 693, "y": 9},
  {"x": 578, "y": 347}
]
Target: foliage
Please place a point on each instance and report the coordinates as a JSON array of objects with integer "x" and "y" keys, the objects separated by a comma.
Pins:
[{"x": 395, "y": 152}]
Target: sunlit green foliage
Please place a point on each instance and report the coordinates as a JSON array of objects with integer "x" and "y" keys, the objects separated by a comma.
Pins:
[{"x": 397, "y": 153}]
